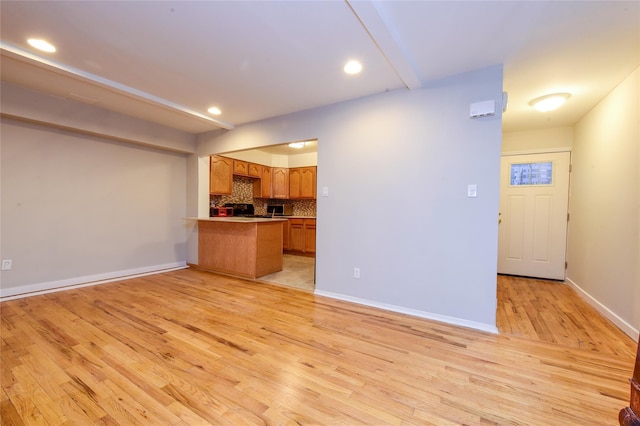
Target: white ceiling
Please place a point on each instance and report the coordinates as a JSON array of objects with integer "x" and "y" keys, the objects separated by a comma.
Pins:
[{"x": 168, "y": 61}]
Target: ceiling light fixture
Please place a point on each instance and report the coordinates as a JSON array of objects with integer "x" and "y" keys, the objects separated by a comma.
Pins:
[
  {"x": 296, "y": 145},
  {"x": 43, "y": 45},
  {"x": 353, "y": 67},
  {"x": 214, "y": 111},
  {"x": 549, "y": 102}
]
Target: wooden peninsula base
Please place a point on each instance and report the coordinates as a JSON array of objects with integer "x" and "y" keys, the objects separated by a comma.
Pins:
[{"x": 244, "y": 247}]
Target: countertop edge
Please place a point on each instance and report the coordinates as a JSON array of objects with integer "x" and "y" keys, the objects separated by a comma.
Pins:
[{"x": 233, "y": 219}]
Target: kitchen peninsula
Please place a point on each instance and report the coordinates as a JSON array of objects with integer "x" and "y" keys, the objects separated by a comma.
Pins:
[{"x": 242, "y": 246}]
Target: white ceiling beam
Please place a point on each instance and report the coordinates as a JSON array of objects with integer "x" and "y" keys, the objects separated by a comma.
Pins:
[
  {"x": 378, "y": 30},
  {"x": 25, "y": 56}
]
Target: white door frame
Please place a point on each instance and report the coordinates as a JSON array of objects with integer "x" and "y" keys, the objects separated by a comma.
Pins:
[{"x": 530, "y": 267}]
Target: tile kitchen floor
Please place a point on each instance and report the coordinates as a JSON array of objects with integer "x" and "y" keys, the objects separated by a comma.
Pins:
[{"x": 297, "y": 272}]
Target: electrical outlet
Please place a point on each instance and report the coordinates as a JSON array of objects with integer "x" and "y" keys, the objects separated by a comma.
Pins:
[
  {"x": 6, "y": 264},
  {"x": 356, "y": 272}
]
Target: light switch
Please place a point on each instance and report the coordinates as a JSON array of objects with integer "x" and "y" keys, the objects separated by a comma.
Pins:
[
  {"x": 472, "y": 191},
  {"x": 325, "y": 191}
]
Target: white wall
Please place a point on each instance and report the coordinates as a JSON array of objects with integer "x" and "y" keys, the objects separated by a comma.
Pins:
[
  {"x": 604, "y": 237},
  {"x": 77, "y": 208},
  {"x": 397, "y": 166},
  {"x": 538, "y": 140}
]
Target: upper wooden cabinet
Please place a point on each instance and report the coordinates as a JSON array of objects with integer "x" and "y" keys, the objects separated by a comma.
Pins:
[
  {"x": 240, "y": 168},
  {"x": 280, "y": 182},
  {"x": 255, "y": 170},
  {"x": 244, "y": 168},
  {"x": 271, "y": 182},
  {"x": 302, "y": 183},
  {"x": 262, "y": 187},
  {"x": 221, "y": 175}
]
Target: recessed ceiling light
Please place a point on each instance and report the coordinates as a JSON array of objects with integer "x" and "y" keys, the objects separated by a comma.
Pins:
[
  {"x": 214, "y": 111},
  {"x": 549, "y": 102},
  {"x": 296, "y": 145},
  {"x": 353, "y": 67},
  {"x": 43, "y": 45}
]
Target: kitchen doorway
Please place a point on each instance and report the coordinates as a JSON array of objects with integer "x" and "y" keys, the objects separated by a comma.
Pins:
[{"x": 300, "y": 231}]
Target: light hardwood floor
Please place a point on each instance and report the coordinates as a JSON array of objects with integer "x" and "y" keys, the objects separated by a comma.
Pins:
[
  {"x": 551, "y": 311},
  {"x": 193, "y": 348}
]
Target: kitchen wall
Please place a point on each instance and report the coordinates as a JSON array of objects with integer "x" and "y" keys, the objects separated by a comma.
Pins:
[
  {"x": 275, "y": 160},
  {"x": 604, "y": 230},
  {"x": 77, "y": 204},
  {"x": 397, "y": 166}
]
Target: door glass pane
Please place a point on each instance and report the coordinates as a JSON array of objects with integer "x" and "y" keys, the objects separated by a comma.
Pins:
[{"x": 531, "y": 173}]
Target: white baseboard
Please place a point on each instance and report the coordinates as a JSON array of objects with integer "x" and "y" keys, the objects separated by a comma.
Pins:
[
  {"x": 627, "y": 328},
  {"x": 413, "y": 312},
  {"x": 89, "y": 280}
]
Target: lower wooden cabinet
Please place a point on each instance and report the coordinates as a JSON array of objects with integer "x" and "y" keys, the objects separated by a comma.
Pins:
[
  {"x": 296, "y": 235},
  {"x": 309, "y": 235},
  {"x": 285, "y": 236},
  {"x": 302, "y": 236}
]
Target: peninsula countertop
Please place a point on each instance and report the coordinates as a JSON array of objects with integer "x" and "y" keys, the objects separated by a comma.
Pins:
[{"x": 239, "y": 219}]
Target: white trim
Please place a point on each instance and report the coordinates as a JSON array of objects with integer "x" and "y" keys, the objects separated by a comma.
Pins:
[
  {"x": 413, "y": 312},
  {"x": 627, "y": 328},
  {"x": 537, "y": 151},
  {"x": 89, "y": 280}
]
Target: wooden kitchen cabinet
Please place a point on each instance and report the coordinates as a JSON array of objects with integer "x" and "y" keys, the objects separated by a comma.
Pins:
[
  {"x": 248, "y": 249},
  {"x": 285, "y": 236},
  {"x": 302, "y": 183},
  {"x": 280, "y": 183},
  {"x": 296, "y": 235},
  {"x": 309, "y": 235},
  {"x": 244, "y": 168},
  {"x": 220, "y": 175},
  {"x": 240, "y": 168},
  {"x": 255, "y": 170},
  {"x": 262, "y": 187},
  {"x": 302, "y": 236}
]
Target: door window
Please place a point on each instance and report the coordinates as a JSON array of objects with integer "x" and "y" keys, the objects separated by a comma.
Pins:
[{"x": 531, "y": 174}]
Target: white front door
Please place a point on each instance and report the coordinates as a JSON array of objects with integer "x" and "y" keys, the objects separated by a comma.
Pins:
[{"x": 534, "y": 197}]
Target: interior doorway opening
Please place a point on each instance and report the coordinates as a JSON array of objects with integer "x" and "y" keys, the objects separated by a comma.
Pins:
[{"x": 299, "y": 242}]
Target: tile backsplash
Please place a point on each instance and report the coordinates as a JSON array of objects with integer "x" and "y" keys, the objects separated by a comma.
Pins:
[{"x": 243, "y": 193}]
